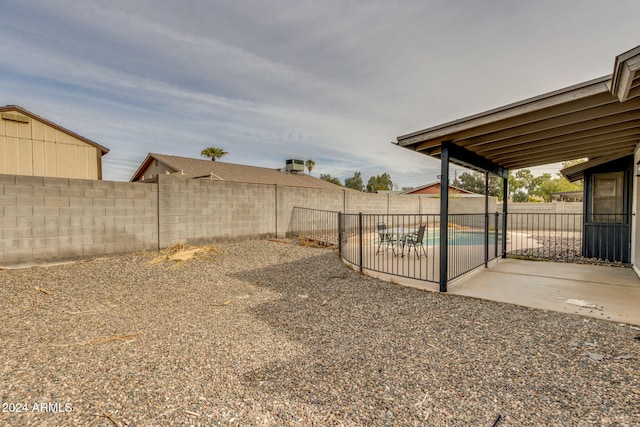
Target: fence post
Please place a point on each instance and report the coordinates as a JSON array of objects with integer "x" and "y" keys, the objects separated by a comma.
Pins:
[
  {"x": 486, "y": 219},
  {"x": 360, "y": 241},
  {"x": 505, "y": 212},
  {"x": 340, "y": 219},
  {"x": 495, "y": 242}
]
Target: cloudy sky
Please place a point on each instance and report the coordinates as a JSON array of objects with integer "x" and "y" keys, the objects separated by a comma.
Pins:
[{"x": 267, "y": 80}]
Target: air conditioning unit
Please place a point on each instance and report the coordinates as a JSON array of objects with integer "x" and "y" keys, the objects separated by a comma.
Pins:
[{"x": 294, "y": 166}]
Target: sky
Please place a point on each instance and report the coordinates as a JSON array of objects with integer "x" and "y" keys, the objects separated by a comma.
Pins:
[{"x": 335, "y": 81}]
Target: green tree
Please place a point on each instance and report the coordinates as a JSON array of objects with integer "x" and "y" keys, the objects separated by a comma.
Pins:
[
  {"x": 474, "y": 182},
  {"x": 213, "y": 153},
  {"x": 310, "y": 164},
  {"x": 329, "y": 178},
  {"x": 354, "y": 182},
  {"x": 517, "y": 189},
  {"x": 380, "y": 183},
  {"x": 556, "y": 185}
]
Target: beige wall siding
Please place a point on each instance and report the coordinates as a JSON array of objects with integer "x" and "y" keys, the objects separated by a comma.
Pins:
[
  {"x": 156, "y": 168},
  {"x": 37, "y": 149}
]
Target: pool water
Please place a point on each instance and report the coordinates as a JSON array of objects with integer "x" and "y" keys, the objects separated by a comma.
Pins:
[{"x": 459, "y": 238}]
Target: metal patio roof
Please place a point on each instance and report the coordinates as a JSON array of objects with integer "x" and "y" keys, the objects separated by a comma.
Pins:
[{"x": 593, "y": 119}]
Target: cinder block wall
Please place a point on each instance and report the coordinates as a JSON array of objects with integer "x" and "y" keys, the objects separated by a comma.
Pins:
[
  {"x": 201, "y": 211},
  {"x": 313, "y": 198},
  {"x": 527, "y": 216},
  {"x": 48, "y": 219}
]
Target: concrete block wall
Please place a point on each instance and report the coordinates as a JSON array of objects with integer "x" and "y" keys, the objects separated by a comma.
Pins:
[
  {"x": 370, "y": 203},
  {"x": 313, "y": 198},
  {"x": 201, "y": 211},
  {"x": 561, "y": 216},
  {"x": 49, "y": 219},
  {"x": 553, "y": 207}
]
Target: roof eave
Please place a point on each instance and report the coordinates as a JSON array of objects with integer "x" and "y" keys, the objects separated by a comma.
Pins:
[
  {"x": 558, "y": 97},
  {"x": 625, "y": 69},
  {"x": 103, "y": 150},
  {"x": 576, "y": 172},
  {"x": 142, "y": 167}
]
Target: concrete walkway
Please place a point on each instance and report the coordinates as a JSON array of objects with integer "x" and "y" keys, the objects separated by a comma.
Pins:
[{"x": 611, "y": 293}]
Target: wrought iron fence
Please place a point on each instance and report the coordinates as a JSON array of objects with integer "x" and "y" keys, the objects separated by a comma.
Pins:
[
  {"x": 318, "y": 226},
  {"x": 409, "y": 245},
  {"x": 568, "y": 237}
]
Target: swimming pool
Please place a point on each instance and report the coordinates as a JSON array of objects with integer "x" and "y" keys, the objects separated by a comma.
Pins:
[{"x": 459, "y": 238}]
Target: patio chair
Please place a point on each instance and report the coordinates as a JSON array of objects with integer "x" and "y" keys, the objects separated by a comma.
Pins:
[
  {"x": 384, "y": 238},
  {"x": 415, "y": 241}
]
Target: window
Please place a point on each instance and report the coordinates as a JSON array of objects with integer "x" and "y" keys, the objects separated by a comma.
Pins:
[{"x": 607, "y": 197}]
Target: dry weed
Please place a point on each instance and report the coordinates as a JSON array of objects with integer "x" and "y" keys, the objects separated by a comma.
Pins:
[{"x": 179, "y": 254}]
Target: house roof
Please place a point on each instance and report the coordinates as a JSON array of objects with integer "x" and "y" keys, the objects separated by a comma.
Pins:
[
  {"x": 596, "y": 118},
  {"x": 436, "y": 184},
  {"x": 576, "y": 172},
  {"x": 222, "y": 171},
  {"x": 16, "y": 108}
]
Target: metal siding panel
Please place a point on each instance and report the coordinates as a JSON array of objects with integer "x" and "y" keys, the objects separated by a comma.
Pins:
[
  {"x": 11, "y": 128},
  {"x": 92, "y": 163},
  {"x": 72, "y": 161},
  {"x": 49, "y": 133},
  {"x": 37, "y": 130},
  {"x": 50, "y": 158},
  {"x": 26, "y": 156},
  {"x": 62, "y": 160},
  {"x": 38, "y": 158},
  {"x": 24, "y": 130},
  {"x": 13, "y": 156},
  {"x": 3, "y": 154}
]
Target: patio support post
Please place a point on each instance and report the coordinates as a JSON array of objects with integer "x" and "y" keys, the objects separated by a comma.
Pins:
[
  {"x": 444, "y": 216},
  {"x": 505, "y": 197},
  {"x": 486, "y": 219}
]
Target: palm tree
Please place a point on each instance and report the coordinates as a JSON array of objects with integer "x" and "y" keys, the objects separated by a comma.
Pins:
[
  {"x": 310, "y": 164},
  {"x": 213, "y": 153}
]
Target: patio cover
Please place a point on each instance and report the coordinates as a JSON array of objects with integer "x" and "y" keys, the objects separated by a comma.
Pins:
[{"x": 597, "y": 118}]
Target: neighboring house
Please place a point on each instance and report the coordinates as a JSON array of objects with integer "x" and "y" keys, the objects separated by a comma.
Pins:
[
  {"x": 32, "y": 145},
  {"x": 433, "y": 189},
  {"x": 567, "y": 196},
  {"x": 162, "y": 164}
]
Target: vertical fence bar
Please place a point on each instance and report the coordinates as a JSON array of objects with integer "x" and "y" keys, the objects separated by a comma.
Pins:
[
  {"x": 340, "y": 227},
  {"x": 486, "y": 219},
  {"x": 360, "y": 241},
  {"x": 505, "y": 197},
  {"x": 495, "y": 242}
]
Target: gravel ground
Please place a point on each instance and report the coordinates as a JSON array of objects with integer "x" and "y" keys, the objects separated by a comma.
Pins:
[
  {"x": 561, "y": 249},
  {"x": 273, "y": 333}
]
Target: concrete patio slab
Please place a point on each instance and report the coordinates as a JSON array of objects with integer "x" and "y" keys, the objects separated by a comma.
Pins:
[{"x": 611, "y": 293}]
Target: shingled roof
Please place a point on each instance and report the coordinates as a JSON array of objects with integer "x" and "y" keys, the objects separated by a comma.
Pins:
[{"x": 222, "y": 171}]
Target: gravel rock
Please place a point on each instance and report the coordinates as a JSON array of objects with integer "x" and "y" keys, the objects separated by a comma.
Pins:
[{"x": 229, "y": 340}]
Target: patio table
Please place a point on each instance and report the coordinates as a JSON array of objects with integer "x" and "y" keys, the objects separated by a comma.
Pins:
[{"x": 400, "y": 234}]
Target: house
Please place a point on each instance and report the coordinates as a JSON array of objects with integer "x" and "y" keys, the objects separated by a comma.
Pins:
[
  {"x": 32, "y": 145},
  {"x": 161, "y": 164},
  {"x": 598, "y": 119},
  {"x": 567, "y": 196},
  {"x": 433, "y": 189}
]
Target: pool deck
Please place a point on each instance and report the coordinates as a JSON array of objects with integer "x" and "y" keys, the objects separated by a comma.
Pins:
[{"x": 609, "y": 293}]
